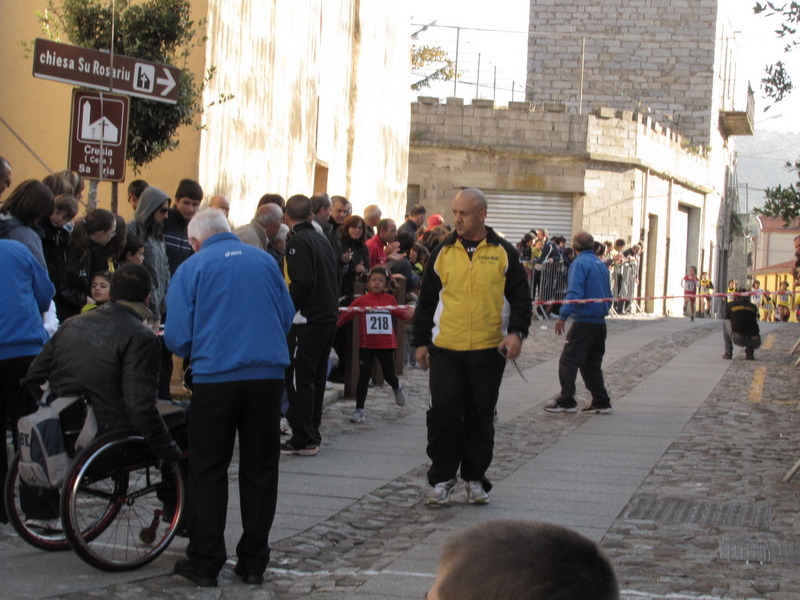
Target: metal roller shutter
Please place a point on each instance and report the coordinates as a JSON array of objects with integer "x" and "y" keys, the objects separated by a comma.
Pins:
[{"x": 516, "y": 213}]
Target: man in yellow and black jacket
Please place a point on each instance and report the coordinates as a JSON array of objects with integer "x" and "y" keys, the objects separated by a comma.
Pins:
[{"x": 473, "y": 313}]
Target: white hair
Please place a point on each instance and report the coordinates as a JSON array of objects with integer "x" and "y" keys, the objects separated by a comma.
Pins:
[
  {"x": 282, "y": 232},
  {"x": 206, "y": 223},
  {"x": 267, "y": 214}
]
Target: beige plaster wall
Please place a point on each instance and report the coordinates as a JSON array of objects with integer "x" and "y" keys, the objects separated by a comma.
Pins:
[{"x": 316, "y": 83}]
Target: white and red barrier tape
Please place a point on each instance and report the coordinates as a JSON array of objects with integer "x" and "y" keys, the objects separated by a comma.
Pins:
[{"x": 587, "y": 300}]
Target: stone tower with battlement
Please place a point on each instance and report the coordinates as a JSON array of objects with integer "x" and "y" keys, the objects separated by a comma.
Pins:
[{"x": 672, "y": 59}]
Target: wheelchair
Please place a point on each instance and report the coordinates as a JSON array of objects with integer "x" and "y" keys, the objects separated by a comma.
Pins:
[{"x": 119, "y": 507}]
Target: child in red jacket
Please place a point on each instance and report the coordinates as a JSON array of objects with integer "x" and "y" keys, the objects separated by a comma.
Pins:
[{"x": 376, "y": 337}]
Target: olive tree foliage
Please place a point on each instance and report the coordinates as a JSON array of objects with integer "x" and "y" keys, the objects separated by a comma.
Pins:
[
  {"x": 781, "y": 201},
  {"x": 156, "y": 30},
  {"x": 424, "y": 56},
  {"x": 777, "y": 83}
]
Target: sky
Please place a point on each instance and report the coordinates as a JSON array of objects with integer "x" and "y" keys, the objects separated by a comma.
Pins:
[{"x": 505, "y": 51}]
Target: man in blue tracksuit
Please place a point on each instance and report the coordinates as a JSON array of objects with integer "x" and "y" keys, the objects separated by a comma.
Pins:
[
  {"x": 229, "y": 308},
  {"x": 586, "y": 339}
]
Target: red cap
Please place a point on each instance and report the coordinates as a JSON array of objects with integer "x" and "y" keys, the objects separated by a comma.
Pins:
[{"x": 435, "y": 220}]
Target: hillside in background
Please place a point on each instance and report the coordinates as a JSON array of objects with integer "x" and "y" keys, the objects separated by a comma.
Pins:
[{"x": 762, "y": 160}]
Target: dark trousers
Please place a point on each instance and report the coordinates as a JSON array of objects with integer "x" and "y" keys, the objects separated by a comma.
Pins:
[
  {"x": 15, "y": 402},
  {"x": 220, "y": 410},
  {"x": 366, "y": 358},
  {"x": 460, "y": 418},
  {"x": 583, "y": 350},
  {"x": 309, "y": 349},
  {"x": 165, "y": 375}
]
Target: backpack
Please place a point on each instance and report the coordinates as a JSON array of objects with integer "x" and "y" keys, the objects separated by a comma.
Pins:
[{"x": 43, "y": 460}]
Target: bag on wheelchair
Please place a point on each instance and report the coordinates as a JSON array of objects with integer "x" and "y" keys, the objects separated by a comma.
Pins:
[{"x": 44, "y": 460}]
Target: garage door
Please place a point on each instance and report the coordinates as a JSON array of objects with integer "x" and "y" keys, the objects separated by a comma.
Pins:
[{"x": 516, "y": 213}]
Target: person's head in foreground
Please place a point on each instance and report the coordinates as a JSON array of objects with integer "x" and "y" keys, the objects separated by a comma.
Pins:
[{"x": 520, "y": 560}]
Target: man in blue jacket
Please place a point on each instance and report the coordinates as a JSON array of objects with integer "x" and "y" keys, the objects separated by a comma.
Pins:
[
  {"x": 25, "y": 293},
  {"x": 229, "y": 308},
  {"x": 586, "y": 338}
]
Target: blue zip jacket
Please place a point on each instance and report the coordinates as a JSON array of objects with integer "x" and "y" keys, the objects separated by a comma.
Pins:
[
  {"x": 229, "y": 309},
  {"x": 25, "y": 293},
  {"x": 588, "y": 278}
]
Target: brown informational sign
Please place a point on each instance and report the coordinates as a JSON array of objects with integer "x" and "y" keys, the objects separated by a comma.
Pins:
[
  {"x": 99, "y": 134},
  {"x": 92, "y": 69}
]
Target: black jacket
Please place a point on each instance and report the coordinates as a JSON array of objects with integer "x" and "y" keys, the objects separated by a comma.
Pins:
[
  {"x": 54, "y": 245},
  {"x": 743, "y": 315},
  {"x": 72, "y": 283},
  {"x": 311, "y": 272},
  {"x": 360, "y": 255},
  {"x": 114, "y": 358},
  {"x": 176, "y": 239}
]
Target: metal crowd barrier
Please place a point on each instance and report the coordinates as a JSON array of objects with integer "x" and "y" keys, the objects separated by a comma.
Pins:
[
  {"x": 623, "y": 278},
  {"x": 548, "y": 285}
]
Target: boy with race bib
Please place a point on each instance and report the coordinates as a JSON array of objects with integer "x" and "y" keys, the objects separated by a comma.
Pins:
[{"x": 376, "y": 338}]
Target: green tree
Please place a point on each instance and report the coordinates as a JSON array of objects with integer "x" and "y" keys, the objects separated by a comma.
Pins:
[
  {"x": 156, "y": 30},
  {"x": 424, "y": 57},
  {"x": 777, "y": 83},
  {"x": 783, "y": 202}
]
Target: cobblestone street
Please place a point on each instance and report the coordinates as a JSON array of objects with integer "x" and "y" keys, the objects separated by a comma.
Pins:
[{"x": 711, "y": 519}]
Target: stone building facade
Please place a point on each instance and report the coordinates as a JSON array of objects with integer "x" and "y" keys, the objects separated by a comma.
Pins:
[
  {"x": 673, "y": 58},
  {"x": 627, "y": 132},
  {"x": 617, "y": 174}
]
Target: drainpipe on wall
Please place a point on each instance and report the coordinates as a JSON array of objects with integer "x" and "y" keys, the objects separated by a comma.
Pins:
[
  {"x": 669, "y": 236},
  {"x": 643, "y": 234}
]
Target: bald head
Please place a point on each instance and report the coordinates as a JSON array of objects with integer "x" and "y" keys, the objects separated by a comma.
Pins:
[
  {"x": 583, "y": 240},
  {"x": 476, "y": 195},
  {"x": 220, "y": 203}
]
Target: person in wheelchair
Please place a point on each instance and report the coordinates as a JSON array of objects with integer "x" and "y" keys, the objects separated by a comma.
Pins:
[{"x": 113, "y": 358}]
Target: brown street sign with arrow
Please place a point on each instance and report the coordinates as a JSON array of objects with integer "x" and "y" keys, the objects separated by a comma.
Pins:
[{"x": 91, "y": 68}]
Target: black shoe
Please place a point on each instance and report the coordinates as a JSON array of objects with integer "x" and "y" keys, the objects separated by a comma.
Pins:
[
  {"x": 310, "y": 450},
  {"x": 749, "y": 353},
  {"x": 246, "y": 577},
  {"x": 598, "y": 410},
  {"x": 555, "y": 407},
  {"x": 184, "y": 568},
  {"x": 727, "y": 356}
]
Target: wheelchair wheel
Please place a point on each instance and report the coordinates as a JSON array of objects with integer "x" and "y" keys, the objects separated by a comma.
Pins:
[
  {"x": 113, "y": 503},
  {"x": 44, "y": 533}
]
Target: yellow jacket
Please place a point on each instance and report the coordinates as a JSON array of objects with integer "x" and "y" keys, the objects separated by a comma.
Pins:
[{"x": 471, "y": 304}]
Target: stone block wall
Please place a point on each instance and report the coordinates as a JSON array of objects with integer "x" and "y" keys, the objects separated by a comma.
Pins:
[{"x": 654, "y": 54}]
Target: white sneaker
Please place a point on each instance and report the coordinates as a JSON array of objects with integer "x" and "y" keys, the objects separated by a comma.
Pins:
[
  {"x": 399, "y": 396},
  {"x": 440, "y": 494},
  {"x": 357, "y": 416},
  {"x": 285, "y": 428},
  {"x": 475, "y": 493},
  {"x": 328, "y": 385}
]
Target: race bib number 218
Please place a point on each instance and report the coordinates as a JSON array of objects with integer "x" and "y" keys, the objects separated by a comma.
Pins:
[{"x": 379, "y": 323}]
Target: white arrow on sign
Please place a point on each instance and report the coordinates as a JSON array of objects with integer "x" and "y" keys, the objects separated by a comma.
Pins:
[{"x": 169, "y": 82}]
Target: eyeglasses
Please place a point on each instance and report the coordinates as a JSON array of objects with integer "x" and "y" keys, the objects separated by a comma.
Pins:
[{"x": 163, "y": 211}]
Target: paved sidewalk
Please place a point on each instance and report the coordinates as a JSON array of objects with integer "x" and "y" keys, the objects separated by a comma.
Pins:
[{"x": 351, "y": 522}]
